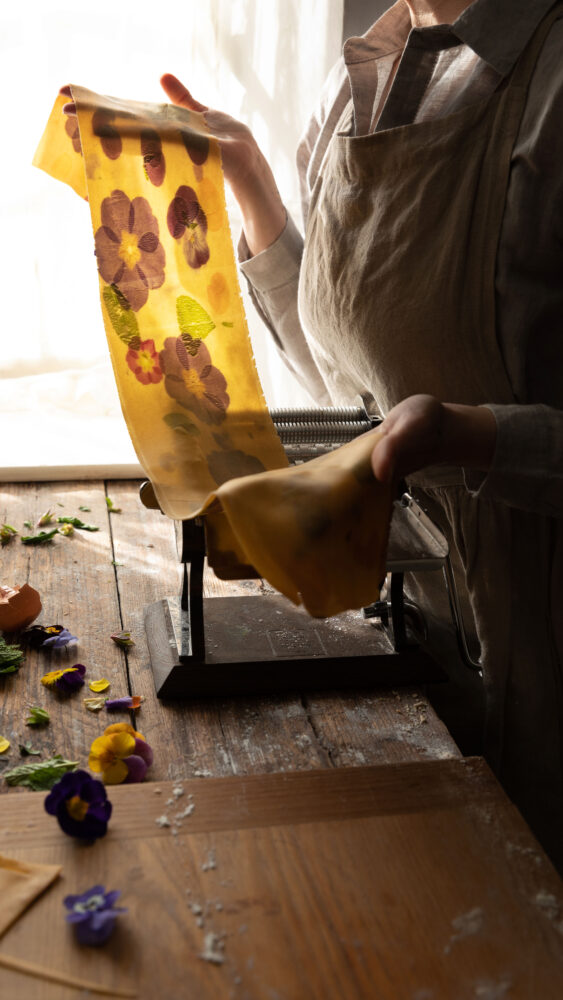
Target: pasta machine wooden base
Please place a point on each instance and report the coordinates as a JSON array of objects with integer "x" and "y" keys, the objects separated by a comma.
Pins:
[{"x": 260, "y": 643}]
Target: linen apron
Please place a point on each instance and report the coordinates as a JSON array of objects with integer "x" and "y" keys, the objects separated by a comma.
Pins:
[{"x": 397, "y": 292}]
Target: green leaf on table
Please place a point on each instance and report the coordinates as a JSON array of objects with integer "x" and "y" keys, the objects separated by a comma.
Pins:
[
  {"x": 40, "y": 539},
  {"x": 26, "y": 750},
  {"x": 192, "y": 318},
  {"x": 40, "y": 776},
  {"x": 121, "y": 316},
  {"x": 85, "y": 509},
  {"x": 37, "y": 716},
  {"x": 112, "y": 509},
  {"x": 47, "y": 518},
  {"x": 77, "y": 523},
  {"x": 6, "y": 534},
  {"x": 11, "y": 657}
]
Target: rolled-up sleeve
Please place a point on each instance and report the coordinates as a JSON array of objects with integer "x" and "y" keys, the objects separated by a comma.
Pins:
[
  {"x": 527, "y": 467},
  {"x": 273, "y": 279}
]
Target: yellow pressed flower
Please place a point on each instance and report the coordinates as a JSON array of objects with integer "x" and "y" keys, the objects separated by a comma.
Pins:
[
  {"x": 101, "y": 685},
  {"x": 106, "y": 756},
  {"x": 50, "y": 679},
  {"x": 4, "y": 744},
  {"x": 123, "y": 727}
]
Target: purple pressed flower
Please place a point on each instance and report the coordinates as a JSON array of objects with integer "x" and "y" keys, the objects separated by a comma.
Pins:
[
  {"x": 128, "y": 701},
  {"x": 67, "y": 679},
  {"x": 80, "y": 804},
  {"x": 36, "y": 635},
  {"x": 71, "y": 680},
  {"x": 93, "y": 914},
  {"x": 62, "y": 638}
]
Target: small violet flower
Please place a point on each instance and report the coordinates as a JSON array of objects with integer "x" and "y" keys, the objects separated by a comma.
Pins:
[
  {"x": 93, "y": 914},
  {"x": 80, "y": 804},
  {"x": 67, "y": 679},
  {"x": 48, "y": 635},
  {"x": 130, "y": 701},
  {"x": 120, "y": 755},
  {"x": 64, "y": 638}
]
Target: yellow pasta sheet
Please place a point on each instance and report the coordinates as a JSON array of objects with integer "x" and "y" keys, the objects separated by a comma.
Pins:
[{"x": 183, "y": 361}]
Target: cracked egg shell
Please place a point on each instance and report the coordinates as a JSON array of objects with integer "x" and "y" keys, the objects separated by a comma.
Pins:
[{"x": 19, "y": 607}]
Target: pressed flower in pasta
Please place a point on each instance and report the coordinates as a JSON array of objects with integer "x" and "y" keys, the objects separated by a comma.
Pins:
[
  {"x": 73, "y": 132},
  {"x": 66, "y": 680},
  {"x": 153, "y": 157},
  {"x": 196, "y": 145},
  {"x": 187, "y": 222},
  {"x": 130, "y": 255},
  {"x": 143, "y": 362},
  {"x": 120, "y": 755},
  {"x": 110, "y": 139},
  {"x": 80, "y": 804},
  {"x": 193, "y": 381},
  {"x": 93, "y": 914}
]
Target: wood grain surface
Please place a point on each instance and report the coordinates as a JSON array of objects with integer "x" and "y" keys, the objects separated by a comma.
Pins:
[
  {"x": 398, "y": 882},
  {"x": 98, "y": 583}
]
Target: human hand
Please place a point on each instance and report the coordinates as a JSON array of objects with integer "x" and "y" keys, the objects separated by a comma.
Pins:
[
  {"x": 245, "y": 168},
  {"x": 421, "y": 431},
  {"x": 70, "y": 108}
]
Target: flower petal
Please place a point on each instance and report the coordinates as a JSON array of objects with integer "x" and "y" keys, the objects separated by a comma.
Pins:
[
  {"x": 115, "y": 774},
  {"x": 136, "y": 768},
  {"x": 101, "y": 685}
]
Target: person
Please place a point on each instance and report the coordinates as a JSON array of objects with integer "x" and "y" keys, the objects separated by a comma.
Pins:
[{"x": 429, "y": 284}]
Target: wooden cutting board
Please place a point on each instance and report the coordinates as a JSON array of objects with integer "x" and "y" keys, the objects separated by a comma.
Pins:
[{"x": 407, "y": 882}]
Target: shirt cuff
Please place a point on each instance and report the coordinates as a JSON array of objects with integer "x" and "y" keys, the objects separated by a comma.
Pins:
[
  {"x": 275, "y": 266},
  {"x": 526, "y": 471}
]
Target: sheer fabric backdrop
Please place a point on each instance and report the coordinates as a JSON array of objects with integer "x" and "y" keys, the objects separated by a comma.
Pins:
[{"x": 263, "y": 61}]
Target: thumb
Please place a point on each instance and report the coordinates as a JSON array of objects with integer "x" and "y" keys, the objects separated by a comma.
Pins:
[
  {"x": 179, "y": 94},
  {"x": 383, "y": 460}
]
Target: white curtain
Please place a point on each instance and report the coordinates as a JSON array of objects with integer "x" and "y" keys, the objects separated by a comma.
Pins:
[{"x": 263, "y": 61}]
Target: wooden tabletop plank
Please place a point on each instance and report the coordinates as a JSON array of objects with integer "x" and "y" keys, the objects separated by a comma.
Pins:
[
  {"x": 387, "y": 882},
  {"x": 75, "y": 577},
  {"x": 378, "y": 727}
]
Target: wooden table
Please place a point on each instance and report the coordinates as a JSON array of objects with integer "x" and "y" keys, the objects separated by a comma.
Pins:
[
  {"x": 99, "y": 583},
  {"x": 404, "y": 882},
  {"x": 340, "y": 846}
]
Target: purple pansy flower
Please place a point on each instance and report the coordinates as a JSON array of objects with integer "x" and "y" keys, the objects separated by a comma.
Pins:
[
  {"x": 93, "y": 914},
  {"x": 128, "y": 249},
  {"x": 187, "y": 221},
  {"x": 191, "y": 379},
  {"x": 60, "y": 639},
  {"x": 80, "y": 804},
  {"x": 67, "y": 679}
]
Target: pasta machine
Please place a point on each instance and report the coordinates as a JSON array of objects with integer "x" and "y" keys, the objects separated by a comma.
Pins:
[{"x": 256, "y": 641}]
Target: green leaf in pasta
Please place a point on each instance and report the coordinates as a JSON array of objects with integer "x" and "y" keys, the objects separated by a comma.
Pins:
[
  {"x": 121, "y": 316},
  {"x": 192, "y": 318}
]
